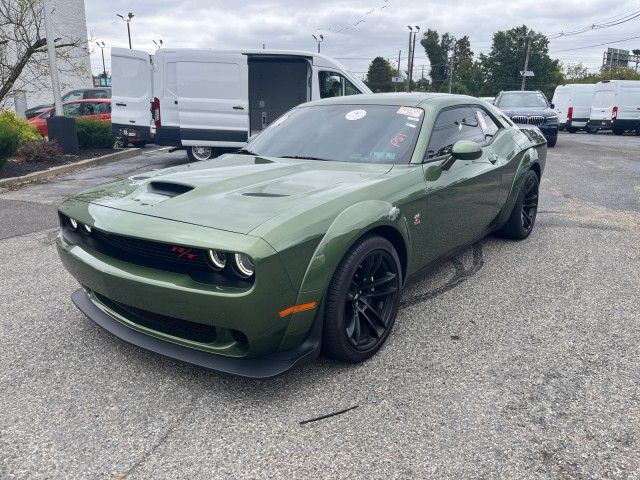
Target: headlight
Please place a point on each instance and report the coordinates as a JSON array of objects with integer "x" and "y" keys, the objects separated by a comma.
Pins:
[
  {"x": 243, "y": 264},
  {"x": 73, "y": 223},
  {"x": 217, "y": 259}
]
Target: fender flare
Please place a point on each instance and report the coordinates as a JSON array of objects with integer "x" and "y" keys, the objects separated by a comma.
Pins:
[{"x": 346, "y": 229}]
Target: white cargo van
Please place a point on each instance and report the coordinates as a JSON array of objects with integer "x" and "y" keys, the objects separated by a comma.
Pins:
[
  {"x": 616, "y": 106},
  {"x": 210, "y": 101},
  {"x": 572, "y": 103}
]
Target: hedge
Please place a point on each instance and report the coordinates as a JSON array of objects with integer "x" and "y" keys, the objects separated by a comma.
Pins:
[{"x": 94, "y": 134}]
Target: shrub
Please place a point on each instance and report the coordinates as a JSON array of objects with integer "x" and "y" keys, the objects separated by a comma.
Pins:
[
  {"x": 8, "y": 142},
  {"x": 94, "y": 134},
  {"x": 22, "y": 129},
  {"x": 39, "y": 151}
]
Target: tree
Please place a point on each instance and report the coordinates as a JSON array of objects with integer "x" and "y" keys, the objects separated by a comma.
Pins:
[
  {"x": 438, "y": 50},
  {"x": 23, "y": 48},
  {"x": 379, "y": 75},
  {"x": 574, "y": 71},
  {"x": 507, "y": 57}
]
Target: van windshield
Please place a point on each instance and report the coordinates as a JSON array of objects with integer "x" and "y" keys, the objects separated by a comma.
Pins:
[{"x": 343, "y": 133}]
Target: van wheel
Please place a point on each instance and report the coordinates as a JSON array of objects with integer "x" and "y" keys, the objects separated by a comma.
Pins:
[
  {"x": 572, "y": 129},
  {"x": 618, "y": 131},
  {"x": 199, "y": 154},
  {"x": 638, "y": 130}
]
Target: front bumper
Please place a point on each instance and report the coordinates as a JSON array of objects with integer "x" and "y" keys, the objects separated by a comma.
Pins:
[
  {"x": 262, "y": 367},
  {"x": 549, "y": 131},
  {"x": 110, "y": 284}
]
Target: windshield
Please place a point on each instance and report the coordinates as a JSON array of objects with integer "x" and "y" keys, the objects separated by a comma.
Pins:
[
  {"x": 525, "y": 100},
  {"x": 343, "y": 133}
]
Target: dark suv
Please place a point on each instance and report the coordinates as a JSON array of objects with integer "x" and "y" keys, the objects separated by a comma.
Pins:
[{"x": 530, "y": 108}]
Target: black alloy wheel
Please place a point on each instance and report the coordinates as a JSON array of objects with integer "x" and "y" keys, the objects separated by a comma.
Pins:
[
  {"x": 369, "y": 306},
  {"x": 362, "y": 300},
  {"x": 529, "y": 203}
]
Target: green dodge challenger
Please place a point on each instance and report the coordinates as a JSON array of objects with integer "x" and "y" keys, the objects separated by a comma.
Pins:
[{"x": 254, "y": 262}]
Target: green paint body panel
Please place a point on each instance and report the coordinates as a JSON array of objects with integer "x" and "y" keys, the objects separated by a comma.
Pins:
[{"x": 296, "y": 219}]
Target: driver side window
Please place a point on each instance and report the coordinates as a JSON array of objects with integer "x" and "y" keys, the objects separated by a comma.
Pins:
[
  {"x": 452, "y": 125},
  {"x": 333, "y": 84}
]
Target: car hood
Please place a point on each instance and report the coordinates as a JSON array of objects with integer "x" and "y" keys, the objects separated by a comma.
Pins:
[
  {"x": 236, "y": 193},
  {"x": 545, "y": 112}
]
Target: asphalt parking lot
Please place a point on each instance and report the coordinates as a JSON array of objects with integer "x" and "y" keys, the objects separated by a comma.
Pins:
[{"x": 516, "y": 360}]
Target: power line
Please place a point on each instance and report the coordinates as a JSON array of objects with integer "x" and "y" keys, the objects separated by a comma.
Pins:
[
  {"x": 596, "y": 45},
  {"x": 617, "y": 20}
]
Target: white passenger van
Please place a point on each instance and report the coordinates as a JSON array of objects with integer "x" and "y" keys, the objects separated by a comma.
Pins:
[
  {"x": 616, "y": 106},
  {"x": 572, "y": 103},
  {"x": 210, "y": 101}
]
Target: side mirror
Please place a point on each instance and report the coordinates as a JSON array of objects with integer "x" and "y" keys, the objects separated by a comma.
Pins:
[{"x": 466, "y": 150}]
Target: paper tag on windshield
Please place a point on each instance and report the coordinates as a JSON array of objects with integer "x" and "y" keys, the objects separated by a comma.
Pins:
[
  {"x": 410, "y": 111},
  {"x": 355, "y": 114}
]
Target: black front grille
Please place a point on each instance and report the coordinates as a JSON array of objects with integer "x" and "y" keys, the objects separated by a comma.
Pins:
[
  {"x": 196, "y": 332},
  {"x": 536, "y": 120},
  {"x": 159, "y": 252}
]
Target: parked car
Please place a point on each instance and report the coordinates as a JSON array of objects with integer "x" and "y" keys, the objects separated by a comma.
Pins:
[
  {"x": 207, "y": 101},
  {"x": 616, "y": 107},
  {"x": 530, "y": 108},
  {"x": 83, "y": 93},
  {"x": 306, "y": 237},
  {"x": 572, "y": 104},
  {"x": 98, "y": 109}
]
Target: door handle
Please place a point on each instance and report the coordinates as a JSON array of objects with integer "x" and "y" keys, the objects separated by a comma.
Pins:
[
  {"x": 121, "y": 104},
  {"x": 175, "y": 102},
  {"x": 238, "y": 107}
]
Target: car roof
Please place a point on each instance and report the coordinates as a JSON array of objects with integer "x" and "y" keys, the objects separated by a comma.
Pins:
[{"x": 401, "y": 99}]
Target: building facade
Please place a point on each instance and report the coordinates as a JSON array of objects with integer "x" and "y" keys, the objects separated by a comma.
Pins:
[{"x": 70, "y": 27}]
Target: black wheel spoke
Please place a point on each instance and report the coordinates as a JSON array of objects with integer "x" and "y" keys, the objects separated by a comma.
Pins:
[
  {"x": 387, "y": 278},
  {"x": 373, "y": 322},
  {"x": 380, "y": 293}
]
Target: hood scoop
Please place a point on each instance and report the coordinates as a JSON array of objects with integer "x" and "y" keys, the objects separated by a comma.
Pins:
[{"x": 168, "y": 189}]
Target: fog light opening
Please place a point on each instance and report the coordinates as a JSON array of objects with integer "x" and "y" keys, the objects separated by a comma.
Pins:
[{"x": 240, "y": 338}]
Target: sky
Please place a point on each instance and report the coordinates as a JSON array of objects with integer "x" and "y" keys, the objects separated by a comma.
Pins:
[{"x": 356, "y": 31}]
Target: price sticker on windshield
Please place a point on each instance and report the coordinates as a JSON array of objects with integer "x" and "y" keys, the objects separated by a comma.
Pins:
[
  {"x": 410, "y": 112},
  {"x": 356, "y": 114}
]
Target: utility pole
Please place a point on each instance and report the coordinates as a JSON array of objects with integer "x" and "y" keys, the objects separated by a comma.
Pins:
[
  {"x": 413, "y": 53},
  {"x": 53, "y": 60},
  {"x": 526, "y": 62},
  {"x": 409, "y": 59},
  {"x": 399, "y": 58}
]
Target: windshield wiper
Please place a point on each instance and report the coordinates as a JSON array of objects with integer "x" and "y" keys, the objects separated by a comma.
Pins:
[{"x": 301, "y": 157}]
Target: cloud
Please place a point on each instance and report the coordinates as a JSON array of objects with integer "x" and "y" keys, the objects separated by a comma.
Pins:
[{"x": 382, "y": 31}]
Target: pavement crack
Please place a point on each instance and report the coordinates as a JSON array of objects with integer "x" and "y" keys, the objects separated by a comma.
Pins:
[
  {"x": 462, "y": 274},
  {"x": 328, "y": 415},
  {"x": 159, "y": 442}
]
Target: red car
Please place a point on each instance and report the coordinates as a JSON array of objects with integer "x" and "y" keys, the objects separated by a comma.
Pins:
[{"x": 96, "y": 108}]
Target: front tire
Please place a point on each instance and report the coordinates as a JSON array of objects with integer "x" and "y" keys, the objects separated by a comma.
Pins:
[
  {"x": 523, "y": 215},
  {"x": 552, "y": 142},
  {"x": 200, "y": 154},
  {"x": 362, "y": 300}
]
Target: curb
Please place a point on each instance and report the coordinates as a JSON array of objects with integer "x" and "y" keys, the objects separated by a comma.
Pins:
[{"x": 51, "y": 172}]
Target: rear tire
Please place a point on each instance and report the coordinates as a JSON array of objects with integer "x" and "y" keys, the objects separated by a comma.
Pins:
[
  {"x": 200, "y": 154},
  {"x": 362, "y": 300},
  {"x": 523, "y": 216},
  {"x": 590, "y": 129},
  {"x": 618, "y": 131},
  {"x": 572, "y": 129}
]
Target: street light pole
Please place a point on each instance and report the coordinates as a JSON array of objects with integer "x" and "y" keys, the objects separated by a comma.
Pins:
[
  {"x": 319, "y": 39},
  {"x": 53, "y": 60},
  {"x": 127, "y": 19},
  {"x": 101, "y": 45}
]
